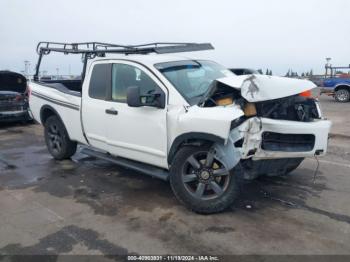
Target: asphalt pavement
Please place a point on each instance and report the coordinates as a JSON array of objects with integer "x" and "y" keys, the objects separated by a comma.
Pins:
[{"x": 88, "y": 206}]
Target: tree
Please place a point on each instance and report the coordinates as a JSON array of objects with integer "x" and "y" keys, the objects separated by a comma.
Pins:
[
  {"x": 311, "y": 73},
  {"x": 270, "y": 72},
  {"x": 288, "y": 73},
  {"x": 267, "y": 72},
  {"x": 260, "y": 71}
]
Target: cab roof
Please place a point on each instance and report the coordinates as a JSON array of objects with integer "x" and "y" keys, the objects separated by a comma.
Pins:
[{"x": 149, "y": 59}]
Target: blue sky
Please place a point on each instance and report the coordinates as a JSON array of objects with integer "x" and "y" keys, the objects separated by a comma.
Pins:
[{"x": 273, "y": 34}]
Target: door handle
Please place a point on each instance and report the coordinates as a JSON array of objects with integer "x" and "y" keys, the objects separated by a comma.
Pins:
[{"x": 111, "y": 111}]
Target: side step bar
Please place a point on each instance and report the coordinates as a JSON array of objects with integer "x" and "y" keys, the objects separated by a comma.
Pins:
[{"x": 131, "y": 164}]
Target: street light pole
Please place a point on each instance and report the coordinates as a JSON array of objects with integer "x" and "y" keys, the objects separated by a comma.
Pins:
[{"x": 328, "y": 65}]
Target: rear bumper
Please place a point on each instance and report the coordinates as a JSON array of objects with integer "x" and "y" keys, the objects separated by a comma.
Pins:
[
  {"x": 15, "y": 116},
  {"x": 270, "y": 139},
  {"x": 15, "y": 111}
]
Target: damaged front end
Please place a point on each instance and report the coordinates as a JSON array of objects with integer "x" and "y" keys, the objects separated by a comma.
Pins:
[{"x": 281, "y": 125}]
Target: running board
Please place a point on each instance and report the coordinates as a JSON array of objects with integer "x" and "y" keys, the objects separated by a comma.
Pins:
[{"x": 131, "y": 164}]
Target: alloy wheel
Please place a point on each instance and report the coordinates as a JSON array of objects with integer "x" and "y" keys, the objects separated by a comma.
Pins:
[
  {"x": 204, "y": 176},
  {"x": 55, "y": 138}
]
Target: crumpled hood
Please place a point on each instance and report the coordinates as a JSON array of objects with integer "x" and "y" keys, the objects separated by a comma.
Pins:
[{"x": 255, "y": 88}]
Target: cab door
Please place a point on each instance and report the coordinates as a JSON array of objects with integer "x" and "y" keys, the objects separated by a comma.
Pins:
[
  {"x": 96, "y": 90},
  {"x": 137, "y": 133}
]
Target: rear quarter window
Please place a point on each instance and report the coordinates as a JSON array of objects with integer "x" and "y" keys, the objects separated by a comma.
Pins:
[{"x": 100, "y": 82}]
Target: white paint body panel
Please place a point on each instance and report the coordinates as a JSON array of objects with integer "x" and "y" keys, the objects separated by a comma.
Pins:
[
  {"x": 137, "y": 133},
  {"x": 70, "y": 117},
  {"x": 146, "y": 134}
]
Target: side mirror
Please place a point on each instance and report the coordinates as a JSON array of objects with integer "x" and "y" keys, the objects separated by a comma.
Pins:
[
  {"x": 133, "y": 96},
  {"x": 134, "y": 99}
]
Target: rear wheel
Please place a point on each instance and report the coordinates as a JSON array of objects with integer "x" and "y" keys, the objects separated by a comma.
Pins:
[
  {"x": 342, "y": 95},
  {"x": 57, "y": 139},
  {"x": 201, "y": 182}
]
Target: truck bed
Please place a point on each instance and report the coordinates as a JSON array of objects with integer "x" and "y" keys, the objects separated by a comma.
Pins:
[
  {"x": 72, "y": 87},
  {"x": 57, "y": 96}
]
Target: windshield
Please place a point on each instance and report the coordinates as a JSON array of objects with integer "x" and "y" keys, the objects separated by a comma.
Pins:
[{"x": 192, "y": 77}]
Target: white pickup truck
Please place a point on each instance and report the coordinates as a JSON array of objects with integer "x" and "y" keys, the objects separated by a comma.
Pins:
[{"x": 192, "y": 122}]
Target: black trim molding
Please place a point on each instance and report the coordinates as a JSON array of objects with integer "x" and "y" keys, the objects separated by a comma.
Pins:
[
  {"x": 57, "y": 102},
  {"x": 191, "y": 136}
]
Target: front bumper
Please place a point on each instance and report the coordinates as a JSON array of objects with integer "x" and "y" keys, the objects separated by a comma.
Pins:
[{"x": 290, "y": 139}]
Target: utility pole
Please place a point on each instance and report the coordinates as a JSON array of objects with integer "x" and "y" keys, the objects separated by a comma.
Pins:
[
  {"x": 328, "y": 65},
  {"x": 26, "y": 68}
]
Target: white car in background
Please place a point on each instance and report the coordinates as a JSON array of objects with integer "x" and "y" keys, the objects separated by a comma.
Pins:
[{"x": 189, "y": 121}]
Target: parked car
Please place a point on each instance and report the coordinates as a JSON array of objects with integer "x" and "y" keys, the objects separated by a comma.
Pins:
[
  {"x": 243, "y": 71},
  {"x": 13, "y": 97},
  {"x": 192, "y": 122},
  {"x": 338, "y": 87}
]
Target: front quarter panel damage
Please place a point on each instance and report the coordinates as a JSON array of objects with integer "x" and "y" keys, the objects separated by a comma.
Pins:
[
  {"x": 214, "y": 121},
  {"x": 227, "y": 153},
  {"x": 251, "y": 133}
]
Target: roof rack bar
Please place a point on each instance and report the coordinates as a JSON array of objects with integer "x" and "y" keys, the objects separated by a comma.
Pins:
[
  {"x": 92, "y": 49},
  {"x": 99, "y": 47}
]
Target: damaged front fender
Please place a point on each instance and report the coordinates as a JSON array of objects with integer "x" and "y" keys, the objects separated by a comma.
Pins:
[
  {"x": 241, "y": 142},
  {"x": 228, "y": 153}
]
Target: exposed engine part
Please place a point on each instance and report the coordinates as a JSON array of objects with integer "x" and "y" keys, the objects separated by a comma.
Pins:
[
  {"x": 221, "y": 95},
  {"x": 294, "y": 108},
  {"x": 249, "y": 109},
  {"x": 224, "y": 101}
]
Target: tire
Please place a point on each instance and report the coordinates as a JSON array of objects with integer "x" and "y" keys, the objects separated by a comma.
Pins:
[
  {"x": 342, "y": 95},
  {"x": 197, "y": 185},
  {"x": 57, "y": 139}
]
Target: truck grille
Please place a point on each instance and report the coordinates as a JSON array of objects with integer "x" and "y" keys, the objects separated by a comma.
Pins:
[{"x": 287, "y": 142}]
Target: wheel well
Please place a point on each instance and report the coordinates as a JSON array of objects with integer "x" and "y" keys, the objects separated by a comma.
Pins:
[
  {"x": 194, "y": 139},
  {"x": 47, "y": 111},
  {"x": 342, "y": 87}
]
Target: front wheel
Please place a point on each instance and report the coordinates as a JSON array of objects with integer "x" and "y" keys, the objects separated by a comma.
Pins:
[
  {"x": 57, "y": 139},
  {"x": 342, "y": 95},
  {"x": 201, "y": 182}
]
